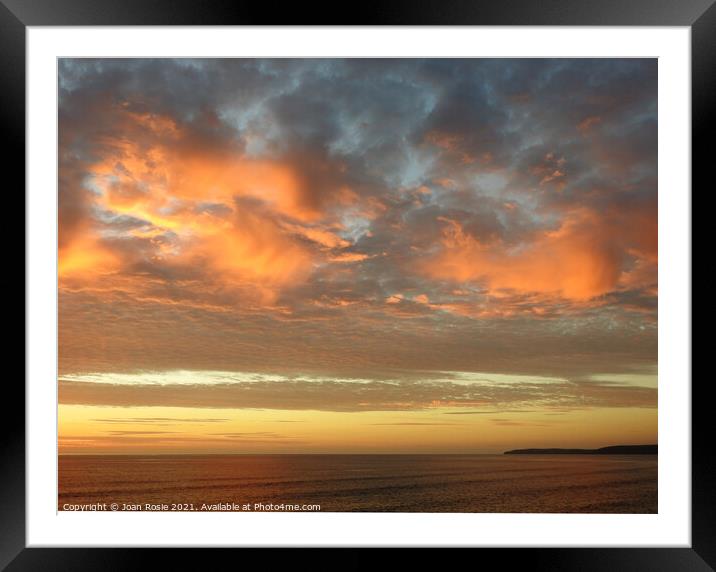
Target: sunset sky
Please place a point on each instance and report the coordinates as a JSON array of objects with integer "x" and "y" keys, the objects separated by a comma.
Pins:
[{"x": 390, "y": 256}]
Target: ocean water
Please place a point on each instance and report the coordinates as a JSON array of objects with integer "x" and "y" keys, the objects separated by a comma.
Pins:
[{"x": 372, "y": 483}]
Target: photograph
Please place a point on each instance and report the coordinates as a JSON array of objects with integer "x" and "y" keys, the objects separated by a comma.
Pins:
[{"x": 405, "y": 285}]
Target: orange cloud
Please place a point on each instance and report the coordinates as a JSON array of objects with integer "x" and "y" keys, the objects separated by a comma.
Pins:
[
  {"x": 349, "y": 257},
  {"x": 252, "y": 248},
  {"x": 580, "y": 260},
  {"x": 86, "y": 255},
  {"x": 251, "y": 221}
]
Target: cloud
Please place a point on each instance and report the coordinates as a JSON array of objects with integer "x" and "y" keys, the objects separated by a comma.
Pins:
[
  {"x": 123, "y": 433},
  {"x": 253, "y": 436},
  {"x": 417, "y": 423},
  {"x": 158, "y": 420},
  {"x": 355, "y": 395},
  {"x": 579, "y": 260},
  {"x": 488, "y": 412},
  {"x": 330, "y": 216}
]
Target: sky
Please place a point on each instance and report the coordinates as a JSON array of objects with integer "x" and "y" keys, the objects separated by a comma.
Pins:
[{"x": 356, "y": 256}]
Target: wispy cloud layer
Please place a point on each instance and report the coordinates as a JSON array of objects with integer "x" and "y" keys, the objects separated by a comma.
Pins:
[{"x": 489, "y": 393}]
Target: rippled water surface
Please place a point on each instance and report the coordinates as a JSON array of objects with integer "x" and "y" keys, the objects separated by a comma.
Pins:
[{"x": 376, "y": 483}]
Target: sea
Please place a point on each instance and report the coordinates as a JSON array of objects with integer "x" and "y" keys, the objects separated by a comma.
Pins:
[{"x": 360, "y": 483}]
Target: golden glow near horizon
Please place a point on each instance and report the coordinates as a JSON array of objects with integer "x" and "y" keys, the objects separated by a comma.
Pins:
[
  {"x": 165, "y": 430},
  {"x": 356, "y": 256},
  {"x": 325, "y": 422}
]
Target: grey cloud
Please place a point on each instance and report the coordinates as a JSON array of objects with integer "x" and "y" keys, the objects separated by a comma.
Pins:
[
  {"x": 365, "y": 124},
  {"x": 104, "y": 328},
  {"x": 350, "y": 396}
]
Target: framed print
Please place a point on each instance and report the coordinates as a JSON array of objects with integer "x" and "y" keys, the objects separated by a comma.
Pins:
[{"x": 422, "y": 279}]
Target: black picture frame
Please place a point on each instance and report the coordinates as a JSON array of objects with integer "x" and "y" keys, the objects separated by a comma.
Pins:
[{"x": 17, "y": 15}]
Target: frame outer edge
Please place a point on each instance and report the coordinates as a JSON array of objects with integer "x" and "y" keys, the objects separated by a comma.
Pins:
[
  {"x": 700, "y": 13},
  {"x": 12, "y": 429},
  {"x": 371, "y": 12},
  {"x": 703, "y": 461}
]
